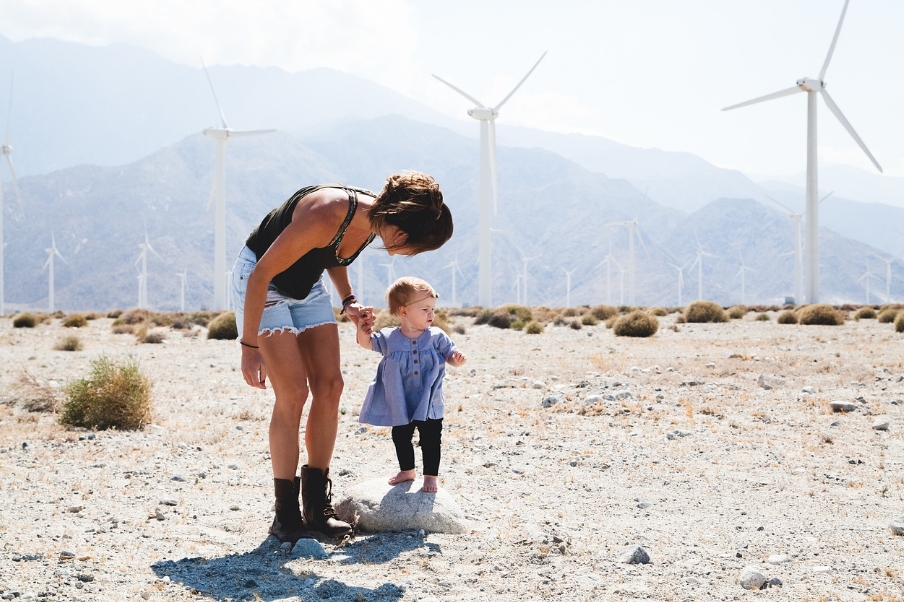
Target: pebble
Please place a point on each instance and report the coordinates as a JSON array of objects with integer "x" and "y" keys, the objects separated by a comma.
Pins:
[
  {"x": 809, "y": 390},
  {"x": 592, "y": 400},
  {"x": 234, "y": 507},
  {"x": 897, "y": 525},
  {"x": 538, "y": 384},
  {"x": 168, "y": 501},
  {"x": 778, "y": 559},
  {"x": 67, "y": 555},
  {"x": 710, "y": 365},
  {"x": 839, "y": 405},
  {"x": 634, "y": 555},
  {"x": 880, "y": 425},
  {"x": 822, "y": 569},
  {"x": 677, "y": 433},
  {"x": 308, "y": 548},
  {"x": 775, "y": 582},
  {"x": 551, "y": 400},
  {"x": 752, "y": 578},
  {"x": 75, "y": 509}
]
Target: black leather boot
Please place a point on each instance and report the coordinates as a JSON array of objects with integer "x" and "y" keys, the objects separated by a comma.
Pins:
[
  {"x": 317, "y": 503},
  {"x": 287, "y": 524}
]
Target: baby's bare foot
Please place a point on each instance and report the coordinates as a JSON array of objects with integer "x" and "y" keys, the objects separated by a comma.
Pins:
[
  {"x": 430, "y": 484},
  {"x": 404, "y": 475}
]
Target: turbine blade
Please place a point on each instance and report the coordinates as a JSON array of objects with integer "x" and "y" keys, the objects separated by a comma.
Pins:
[
  {"x": 827, "y": 196},
  {"x": 825, "y": 65},
  {"x": 515, "y": 89},
  {"x": 249, "y": 132},
  {"x": 834, "y": 108},
  {"x": 779, "y": 94},
  {"x": 57, "y": 253},
  {"x": 12, "y": 172},
  {"x": 9, "y": 111},
  {"x": 780, "y": 204},
  {"x": 215, "y": 99},
  {"x": 462, "y": 92},
  {"x": 491, "y": 141}
]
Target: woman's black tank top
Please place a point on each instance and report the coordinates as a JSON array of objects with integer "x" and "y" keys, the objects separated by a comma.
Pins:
[{"x": 296, "y": 281}]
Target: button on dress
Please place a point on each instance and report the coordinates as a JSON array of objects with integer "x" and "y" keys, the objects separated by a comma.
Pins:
[{"x": 409, "y": 381}]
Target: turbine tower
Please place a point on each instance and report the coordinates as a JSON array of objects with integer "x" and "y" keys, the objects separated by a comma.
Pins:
[
  {"x": 699, "y": 263},
  {"x": 6, "y": 151},
  {"x": 741, "y": 273},
  {"x": 568, "y": 274},
  {"x": 632, "y": 233},
  {"x": 680, "y": 281},
  {"x": 221, "y": 136},
  {"x": 455, "y": 269},
  {"x": 51, "y": 252},
  {"x": 813, "y": 87},
  {"x": 182, "y": 275},
  {"x": 487, "y": 117},
  {"x": 143, "y": 271}
]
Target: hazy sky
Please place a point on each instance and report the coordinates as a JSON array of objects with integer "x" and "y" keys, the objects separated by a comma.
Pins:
[{"x": 650, "y": 73}]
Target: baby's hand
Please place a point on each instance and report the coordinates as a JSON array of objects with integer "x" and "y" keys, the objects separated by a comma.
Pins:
[{"x": 458, "y": 358}]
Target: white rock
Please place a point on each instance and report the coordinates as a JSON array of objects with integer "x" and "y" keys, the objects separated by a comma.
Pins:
[
  {"x": 897, "y": 526},
  {"x": 592, "y": 400},
  {"x": 751, "y": 578},
  {"x": 538, "y": 384},
  {"x": 778, "y": 559},
  {"x": 809, "y": 390},
  {"x": 880, "y": 425},
  {"x": 822, "y": 569},
  {"x": 381, "y": 507},
  {"x": 634, "y": 555},
  {"x": 308, "y": 548},
  {"x": 839, "y": 405}
]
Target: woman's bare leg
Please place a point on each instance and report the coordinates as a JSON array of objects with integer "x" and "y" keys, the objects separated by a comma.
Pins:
[
  {"x": 319, "y": 349},
  {"x": 288, "y": 376}
]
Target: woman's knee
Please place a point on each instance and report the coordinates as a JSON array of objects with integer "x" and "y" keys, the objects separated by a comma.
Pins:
[
  {"x": 327, "y": 388},
  {"x": 290, "y": 404}
]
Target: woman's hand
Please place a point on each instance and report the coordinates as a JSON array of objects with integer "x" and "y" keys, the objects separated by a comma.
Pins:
[
  {"x": 253, "y": 369},
  {"x": 356, "y": 312}
]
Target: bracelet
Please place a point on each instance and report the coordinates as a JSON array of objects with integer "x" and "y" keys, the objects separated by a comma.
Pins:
[
  {"x": 346, "y": 302},
  {"x": 244, "y": 344}
]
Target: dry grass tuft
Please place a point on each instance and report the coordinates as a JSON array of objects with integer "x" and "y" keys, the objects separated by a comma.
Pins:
[
  {"x": 865, "y": 313},
  {"x": 69, "y": 343},
  {"x": 114, "y": 395},
  {"x": 899, "y": 322},
  {"x": 787, "y": 317},
  {"x": 223, "y": 327},
  {"x": 533, "y": 327},
  {"x": 659, "y": 312},
  {"x": 30, "y": 394},
  {"x": 887, "y": 315},
  {"x": 821, "y": 314},
  {"x": 636, "y": 324},
  {"x": 737, "y": 312},
  {"x": 25, "y": 320},
  {"x": 75, "y": 321},
  {"x": 704, "y": 311},
  {"x": 603, "y": 312}
]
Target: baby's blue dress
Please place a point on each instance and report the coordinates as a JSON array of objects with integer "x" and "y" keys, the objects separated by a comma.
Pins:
[{"x": 409, "y": 381}]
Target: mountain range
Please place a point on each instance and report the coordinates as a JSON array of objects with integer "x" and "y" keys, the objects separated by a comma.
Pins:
[{"x": 107, "y": 148}]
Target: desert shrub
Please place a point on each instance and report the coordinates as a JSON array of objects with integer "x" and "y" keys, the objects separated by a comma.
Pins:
[
  {"x": 819, "y": 314},
  {"x": 93, "y": 315},
  {"x": 75, "y": 321},
  {"x": 516, "y": 325},
  {"x": 610, "y": 321},
  {"x": 570, "y": 312},
  {"x": 522, "y": 312},
  {"x": 134, "y": 316},
  {"x": 30, "y": 394},
  {"x": 25, "y": 321},
  {"x": 899, "y": 322},
  {"x": 787, "y": 317},
  {"x": 497, "y": 318},
  {"x": 636, "y": 324},
  {"x": 575, "y": 325},
  {"x": 469, "y": 312},
  {"x": 589, "y": 320},
  {"x": 223, "y": 327},
  {"x": 603, "y": 312},
  {"x": 122, "y": 328},
  {"x": 154, "y": 337},
  {"x": 865, "y": 313},
  {"x": 533, "y": 327},
  {"x": 737, "y": 312},
  {"x": 704, "y": 311},
  {"x": 460, "y": 329},
  {"x": 680, "y": 319},
  {"x": 114, "y": 314},
  {"x": 441, "y": 320},
  {"x": 115, "y": 395},
  {"x": 887, "y": 315},
  {"x": 70, "y": 343},
  {"x": 659, "y": 312},
  {"x": 162, "y": 318},
  {"x": 762, "y": 317}
]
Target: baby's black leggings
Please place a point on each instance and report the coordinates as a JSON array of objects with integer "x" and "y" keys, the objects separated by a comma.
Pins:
[{"x": 431, "y": 432}]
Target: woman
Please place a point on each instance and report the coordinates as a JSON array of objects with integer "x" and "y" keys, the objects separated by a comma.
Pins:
[{"x": 287, "y": 329}]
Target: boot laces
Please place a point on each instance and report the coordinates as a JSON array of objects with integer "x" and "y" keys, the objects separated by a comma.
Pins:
[{"x": 328, "y": 510}]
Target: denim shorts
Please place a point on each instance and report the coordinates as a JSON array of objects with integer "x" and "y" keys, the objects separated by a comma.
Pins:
[{"x": 281, "y": 313}]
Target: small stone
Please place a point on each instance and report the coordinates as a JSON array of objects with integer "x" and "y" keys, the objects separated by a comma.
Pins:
[
  {"x": 634, "y": 555},
  {"x": 592, "y": 400},
  {"x": 234, "y": 507},
  {"x": 308, "y": 548},
  {"x": 158, "y": 514},
  {"x": 778, "y": 559},
  {"x": 839, "y": 405},
  {"x": 538, "y": 384},
  {"x": 897, "y": 526},
  {"x": 644, "y": 505},
  {"x": 822, "y": 569},
  {"x": 75, "y": 509},
  {"x": 85, "y": 577},
  {"x": 808, "y": 390},
  {"x": 775, "y": 582},
  {"x": 67, "y": 555},
  {"x": 751, "y": 578},
  {"x": 168, "y": 501},
  {"x": 710, "y": 365},
  {"x": 880, "y": 425},
  {"x": 550, "y": 400},
  {"x": 178, "y": 478}
]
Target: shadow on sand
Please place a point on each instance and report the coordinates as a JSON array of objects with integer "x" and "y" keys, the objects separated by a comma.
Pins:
[{"x": 263, "y": 574}]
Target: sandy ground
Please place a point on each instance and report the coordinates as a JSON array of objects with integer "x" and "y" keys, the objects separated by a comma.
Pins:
[{"x": 713, "y": 446}]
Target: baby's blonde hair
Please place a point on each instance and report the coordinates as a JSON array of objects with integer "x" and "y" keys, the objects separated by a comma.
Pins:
[{"x": 407, "y": 290}]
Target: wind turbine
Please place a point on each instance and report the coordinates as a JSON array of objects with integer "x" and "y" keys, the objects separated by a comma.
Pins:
[
  {"x": 887, "y": 276},
  {"x": 455, "y": 269},
  {"x": 182, "y": 276},
  {"x": 741, "y": 273},
  {"x": 812, "y": 87},
  {"x": 6, "y": 150},
  {"x": 867, "y": 276},
  {"x": 608, "y": 260},
  {"x": 632, "y": 233},
  {"x": 221, "y": 136},
  {"x": 568, "y": 285},
  {"x": 51, "y": 252},
  {"x": 487, "y": 117},
  {"x": 143, "y": 271},
  {"x": 680, "y": 280},
  {"x": 699, "y": 263},
  {"x": 798, "y": 247},
  {"x": 390, "y": 272}
]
